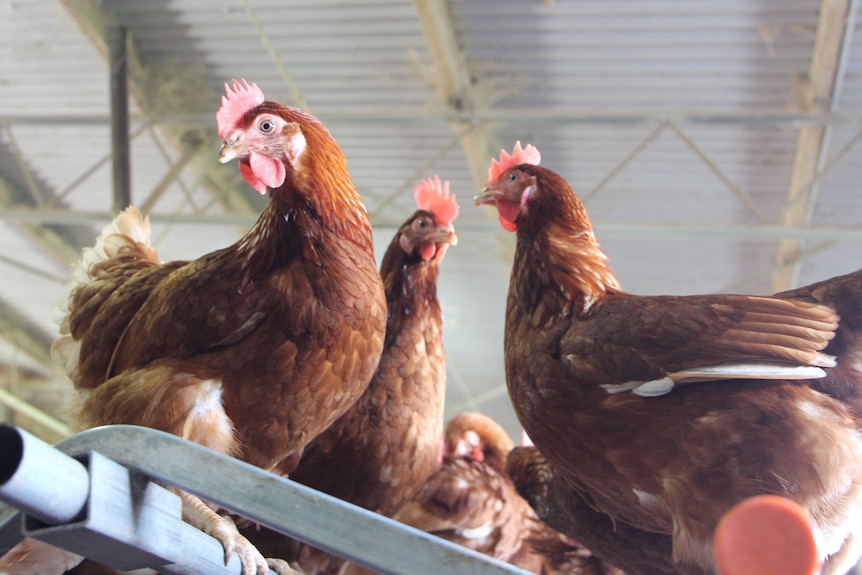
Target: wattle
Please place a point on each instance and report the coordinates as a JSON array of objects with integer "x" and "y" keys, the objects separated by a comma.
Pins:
[
  {"x": 249, "y": 176},
  {"x": 262, "y": 172},
  {"x": 427, "y": 250},
  {"x": 508, "y": 212}
]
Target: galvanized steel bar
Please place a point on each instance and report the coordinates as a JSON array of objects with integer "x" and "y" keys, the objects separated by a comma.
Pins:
[
  {"x": 40, "y": 480},
  {"x": 359, "y": 535},
  {"x": 103, "y": 511}
]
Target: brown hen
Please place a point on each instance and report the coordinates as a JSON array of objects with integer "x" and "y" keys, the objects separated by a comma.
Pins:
[
  {"x": 563, "y": 508},
  {"x": 469, "y": 499},
  {"x": 253, "y": 349},
  {"x": 379, "y": 452},
  {"x": 665, "y": 411}
]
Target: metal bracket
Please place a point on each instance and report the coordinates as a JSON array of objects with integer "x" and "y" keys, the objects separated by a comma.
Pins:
[{"x": 126, "y": 521}]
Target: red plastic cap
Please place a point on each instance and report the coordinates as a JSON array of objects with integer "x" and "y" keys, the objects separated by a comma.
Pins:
[{"x": 766, "y": 535}]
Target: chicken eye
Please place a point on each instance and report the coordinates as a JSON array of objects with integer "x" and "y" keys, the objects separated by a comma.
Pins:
[
  {"x": 513, "y": 177},
  {"x": 266, "y": 126}
]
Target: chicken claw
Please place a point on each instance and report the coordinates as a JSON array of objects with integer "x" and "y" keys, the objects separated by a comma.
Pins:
[
  {"x": 253, "y": 562},
  {"x": 223, "y": 529}
]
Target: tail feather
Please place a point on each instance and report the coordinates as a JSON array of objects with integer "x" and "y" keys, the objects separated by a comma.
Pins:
[
  {"x": 844, "y": 295},
  {"x": 127, "y": 235},
  {"x": 129, "y": 231}
]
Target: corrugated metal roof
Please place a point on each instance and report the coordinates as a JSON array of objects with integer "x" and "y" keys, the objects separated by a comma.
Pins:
[{"x": 676, "y": 120}]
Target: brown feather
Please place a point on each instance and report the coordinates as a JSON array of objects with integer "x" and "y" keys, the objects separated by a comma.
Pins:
[
  {"x": 253, "y": 349},
  {"x": 468, "y": 499},
  {"x": 561, "y": 507},
  {"x": 471, "y": 501},
  {"x": 572, "y": 335},
  {"x": 382, "y": 449}
]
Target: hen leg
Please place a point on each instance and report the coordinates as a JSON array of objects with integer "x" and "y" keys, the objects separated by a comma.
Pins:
[
  {"x": 165, "y": 396},
  {"x": 223, "y": 529}
]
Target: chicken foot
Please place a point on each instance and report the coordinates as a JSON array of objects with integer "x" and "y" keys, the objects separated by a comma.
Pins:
[{"x": 223, "y": 529}]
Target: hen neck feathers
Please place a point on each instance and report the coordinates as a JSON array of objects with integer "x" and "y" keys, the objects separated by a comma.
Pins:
[
  {"x": 315, "y": 227},
  {"x": 316, "y": 214},
  {"x": 557, "y": 245},
  {"x": 317, "y": 192},
  {"x": 410, "y": 284}
]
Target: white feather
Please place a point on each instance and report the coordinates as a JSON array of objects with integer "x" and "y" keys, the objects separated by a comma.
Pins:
[
  {"x": 128, "y": 228},
  {"x": 748, "y": 370},
  {"x": 655, "y": 388},
  {"x": 613, "y": 388},
  {"x": 717, "y": 372},
  {"x": 476, "y": 532}
]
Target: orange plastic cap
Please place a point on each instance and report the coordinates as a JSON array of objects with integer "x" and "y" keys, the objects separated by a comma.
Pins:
[{"x": 766, "y": 535}]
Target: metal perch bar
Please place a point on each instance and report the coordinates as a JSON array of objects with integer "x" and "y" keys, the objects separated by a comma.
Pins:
[
  {"x": 29, "y": 469},
  {"x": 123, "y": 461},
  {"x": 99, "y": 509}
]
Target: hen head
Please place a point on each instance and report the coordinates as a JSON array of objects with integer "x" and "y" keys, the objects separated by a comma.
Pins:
[
  {"x": 429, "y": 232},
  {"x": 509, "y": 186},
  {"x": 266, "y": 137},
  {"x": 531, "y": 198},
  {"x": 477, "y": 436}
]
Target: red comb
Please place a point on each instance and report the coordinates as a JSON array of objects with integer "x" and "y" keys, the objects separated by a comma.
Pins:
[
  {"x": 528, "y": 155},
  {"x": 235, "y": 103},
  {"x": 433, "y": 196}
]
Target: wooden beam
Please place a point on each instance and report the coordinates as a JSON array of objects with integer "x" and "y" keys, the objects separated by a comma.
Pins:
[
  {"x": 454, "y": 83},
  {"x": 825, "y": 70},
  {"x": 56, "y": 244}
]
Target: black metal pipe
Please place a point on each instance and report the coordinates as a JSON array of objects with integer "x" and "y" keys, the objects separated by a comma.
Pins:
[{"x": 119, "y": 65}]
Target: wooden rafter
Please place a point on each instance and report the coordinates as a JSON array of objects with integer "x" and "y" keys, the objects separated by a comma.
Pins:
[
  {"x": 16, "y": 328},
  {"x": 35, "y": 420},
  {"x": 824, "y": 74},
  {"x": 454, "y": 83}
]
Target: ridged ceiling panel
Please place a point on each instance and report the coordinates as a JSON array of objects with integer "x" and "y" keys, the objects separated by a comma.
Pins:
[{"x": 665, "y": 115}]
